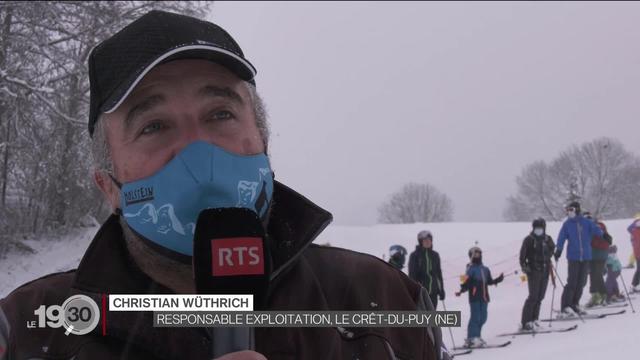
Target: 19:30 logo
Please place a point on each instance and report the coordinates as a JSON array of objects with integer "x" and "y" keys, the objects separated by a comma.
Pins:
[{"x": 79, "y": 315}]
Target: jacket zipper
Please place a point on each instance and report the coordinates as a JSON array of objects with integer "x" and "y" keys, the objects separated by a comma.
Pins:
[
  {"x": 580, "y": 238},
  {"x": 429, "y": 275},
  {"x": 484, "y": 285}
]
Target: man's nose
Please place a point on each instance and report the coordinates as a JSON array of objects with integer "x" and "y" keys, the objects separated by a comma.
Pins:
[{"x": 190, "y": 131}]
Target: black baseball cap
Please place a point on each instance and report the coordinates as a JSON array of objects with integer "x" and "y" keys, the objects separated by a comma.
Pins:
[{"x": 118, "y": 64}]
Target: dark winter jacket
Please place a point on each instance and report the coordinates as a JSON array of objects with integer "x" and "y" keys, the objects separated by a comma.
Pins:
[
  {"x": 477, "y": 281},
  {"x": 600, "y": 244},
  {"x": 424, "y": 267},
  {"x": 306, "y": 277},
  {"x": 536, "y": 252},
  {"x": 578, "y": 232}
]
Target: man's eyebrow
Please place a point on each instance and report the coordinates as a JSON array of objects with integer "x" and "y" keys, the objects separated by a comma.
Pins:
[
  {"x": 224, "y": 92},
  {"x": 142, "y": 107}
]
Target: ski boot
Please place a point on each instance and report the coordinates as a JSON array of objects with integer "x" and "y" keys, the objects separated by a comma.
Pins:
[
  {"x": 594, "y": 301},
  {"x": 536, "y": 325},
  {"x": 579, "y": 310},
  {"x": 529, "y": 326},
  {"x": 603, "y": 299},
  {"x": 468, "y": 343},
  {"x": 567, "y": 312},
  {"x": 474, "y": 342},
  {"x": 478, "y": 342}
]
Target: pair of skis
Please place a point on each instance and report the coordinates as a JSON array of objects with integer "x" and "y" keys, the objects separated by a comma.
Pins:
[
  {"x": 609, "y": 306},
  {"x": 539, "y": 331},
  {"x": 586, "y": 316},
  {"x": 463, "y": 350}
]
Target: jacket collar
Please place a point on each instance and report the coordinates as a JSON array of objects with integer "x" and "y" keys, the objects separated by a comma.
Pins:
[{"x": 107, "y": 267}]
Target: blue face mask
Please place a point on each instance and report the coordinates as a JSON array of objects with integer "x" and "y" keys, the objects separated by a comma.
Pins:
[{"x": 164, "y": 207}]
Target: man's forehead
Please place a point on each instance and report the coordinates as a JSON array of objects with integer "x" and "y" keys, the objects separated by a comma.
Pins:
[{"x": 198, "y": 70}]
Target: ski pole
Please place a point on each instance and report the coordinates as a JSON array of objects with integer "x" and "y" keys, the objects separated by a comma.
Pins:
[
  {"x": 515, "y": 272},
  {"x": 450, "y": 332},
  {"x": 553, "y": 296},
  {"x": 626, "y": 292},
  {"x": 557, "y": 275}
]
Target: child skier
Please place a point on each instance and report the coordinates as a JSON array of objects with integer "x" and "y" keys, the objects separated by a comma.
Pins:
[
  {"x": 613, "y": 271},
  {"x": 477, "y": 281}
]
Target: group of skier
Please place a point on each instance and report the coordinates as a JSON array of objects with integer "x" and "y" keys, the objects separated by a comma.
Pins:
[
  {"x": 590, "y": 253},
  {"x": 425, "y": 268}
]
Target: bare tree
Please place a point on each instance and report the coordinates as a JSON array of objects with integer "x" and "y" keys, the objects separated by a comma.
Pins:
[
  {"x": 44, "y": 99},
  {"x": 416, "y": 203},
  {"x": 601, "y": 174}
]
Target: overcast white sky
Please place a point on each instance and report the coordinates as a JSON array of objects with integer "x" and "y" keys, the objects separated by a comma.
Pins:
[{"x": 366, "y": 96}]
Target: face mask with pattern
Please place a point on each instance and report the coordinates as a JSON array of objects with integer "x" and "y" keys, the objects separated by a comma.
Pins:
[{"x": 164, "y": 207}]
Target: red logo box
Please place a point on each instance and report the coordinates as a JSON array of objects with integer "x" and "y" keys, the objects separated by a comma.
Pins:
[{"x": 237, "y": 256}]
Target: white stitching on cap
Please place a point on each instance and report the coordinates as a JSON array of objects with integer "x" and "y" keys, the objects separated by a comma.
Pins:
[{"x": 175, "y": 51}]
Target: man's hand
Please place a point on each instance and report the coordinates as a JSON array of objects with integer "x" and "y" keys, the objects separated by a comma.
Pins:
[
  {"x": 441, "y": 295},
  {"x": 457, "y": 293},
  {"x": 242, "y": 355},
  {"x": 500, "y": 278},
  {"x": 557, "y": 255},
  {"x": 526, "y": 269}
]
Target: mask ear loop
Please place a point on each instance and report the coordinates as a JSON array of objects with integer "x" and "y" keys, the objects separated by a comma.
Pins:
[
  {"x": 118, "y": 183},
  {"x": 117, "y": 210}
]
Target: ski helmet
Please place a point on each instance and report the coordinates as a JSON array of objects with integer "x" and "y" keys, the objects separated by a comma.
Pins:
[
  {"x": 539, "y": 222},
  {"x": 424, "y": 234},
  {"x": 397, "y": 254},
  {"x": 397, "y": 249},
  {"x": 474, "y": 250}
]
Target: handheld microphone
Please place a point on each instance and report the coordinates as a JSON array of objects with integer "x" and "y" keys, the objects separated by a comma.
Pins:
[{"x": 231, "y": 256}]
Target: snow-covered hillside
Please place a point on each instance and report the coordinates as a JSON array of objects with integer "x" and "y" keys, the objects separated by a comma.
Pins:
[{"x": 612, "y": 337}]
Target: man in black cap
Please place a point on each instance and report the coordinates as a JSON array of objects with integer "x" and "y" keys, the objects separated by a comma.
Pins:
[
  {"x": 577, "y": 231},
  {"x": 180, "y": 140}
]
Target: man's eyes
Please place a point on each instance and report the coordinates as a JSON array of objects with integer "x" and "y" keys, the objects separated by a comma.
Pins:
[
  {"x": 158, "y": 125},
  {"x": 220, "y": 115},
  {"x": 152, "y": 128}
]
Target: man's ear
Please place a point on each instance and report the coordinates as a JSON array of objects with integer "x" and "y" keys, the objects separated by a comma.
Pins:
[{"x": 108, "y": 188}]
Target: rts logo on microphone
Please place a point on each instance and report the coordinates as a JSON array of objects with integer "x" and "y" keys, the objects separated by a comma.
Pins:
[{"x": 237, "y": 256}]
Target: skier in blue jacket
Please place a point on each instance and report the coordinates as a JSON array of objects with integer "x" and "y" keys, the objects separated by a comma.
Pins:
[
  {"x": 477, "y": 281},
  {"x": 577, "y": 231}
]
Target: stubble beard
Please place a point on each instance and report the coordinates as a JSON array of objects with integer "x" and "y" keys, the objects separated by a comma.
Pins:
[{"x": 170, "y": 273}]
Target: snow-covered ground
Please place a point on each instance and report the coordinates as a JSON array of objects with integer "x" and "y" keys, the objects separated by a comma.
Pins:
[
  {"x": 50, "y": 255},
  {"x": 612, "y": 338}
]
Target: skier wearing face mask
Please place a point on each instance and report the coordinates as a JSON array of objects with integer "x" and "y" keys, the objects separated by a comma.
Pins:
[
  {"x": 577, "y": 231},
  {"x": 535, "y": 261}
]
